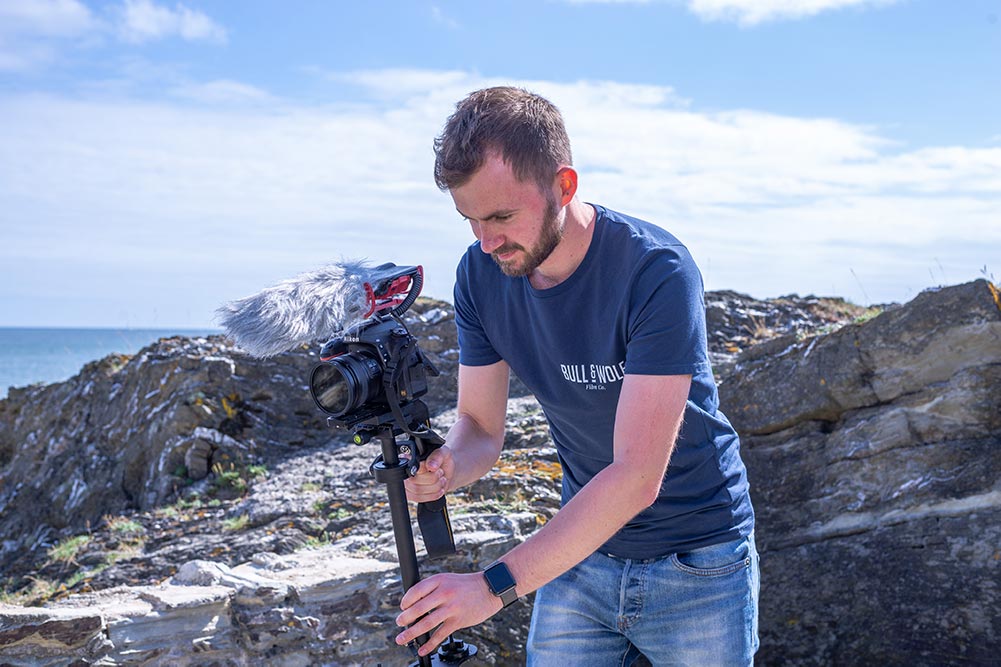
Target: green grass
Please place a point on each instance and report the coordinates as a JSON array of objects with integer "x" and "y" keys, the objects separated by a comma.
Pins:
[
  {"x": 341, "y": 514},
  {"x": 234, "y": 479},
  {"x": 40, "y": 589},
  {"x": 255, "y": 471},
  {"x": 130, "y": 551},
  {"x": 125, "y": 528},
  {"x": 168, "y": 512},
  {"x": 867, "y": 315},
  {"x": 237, "y": 523},
  {"x": 67, "y": 550},
  {"x": 79, "y": 576},
  {"x": 231, "y": 479},
  {"x": 190, "y": 503},
  {"x": 317, "y": 541}
]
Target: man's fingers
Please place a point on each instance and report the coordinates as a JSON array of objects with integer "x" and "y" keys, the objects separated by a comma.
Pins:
[
  {"x": 425, "y": 493},
  {"x": 415, "y": 610},
  {"x": 428, "y": 477},
  {"x": 436, "y": 459},
  {"x": 441, "y": 460},
  {"x": 422, "y": 626},
  {"x": 418, "y": 592},
  {"x": 440, "y": 635},
  {"x": 427, "y": 485}
]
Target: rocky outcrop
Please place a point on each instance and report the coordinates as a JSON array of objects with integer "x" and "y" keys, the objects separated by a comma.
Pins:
[
  {"x": 315, "y": 607},
  {"x": 873, "y": 454},
  {"x": 326, "y": 601},
  {"x": 871, "y": 449},
  {"x": 126, "y": 433},
  {"x": 130, "y": 433}
]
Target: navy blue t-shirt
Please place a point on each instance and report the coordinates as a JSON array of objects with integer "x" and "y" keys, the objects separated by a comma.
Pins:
[{"x": 635, "y": 305}]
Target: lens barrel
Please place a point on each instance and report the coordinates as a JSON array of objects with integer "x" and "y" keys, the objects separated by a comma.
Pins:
[{"x": 345, "y": 383}]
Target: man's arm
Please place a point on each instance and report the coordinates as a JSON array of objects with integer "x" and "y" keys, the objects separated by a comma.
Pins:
[
  {"x": 647, "y": 421},
  {"x": 474, "y": 443}
]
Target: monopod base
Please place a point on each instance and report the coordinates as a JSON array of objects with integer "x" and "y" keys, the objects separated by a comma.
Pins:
[{"x": 454, "y": 652}]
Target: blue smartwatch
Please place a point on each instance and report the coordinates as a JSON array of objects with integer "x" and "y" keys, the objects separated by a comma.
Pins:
[{"x": 501, "y": 582}]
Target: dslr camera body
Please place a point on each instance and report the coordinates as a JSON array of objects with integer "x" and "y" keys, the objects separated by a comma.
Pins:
[{"x": 375, "y": 370}]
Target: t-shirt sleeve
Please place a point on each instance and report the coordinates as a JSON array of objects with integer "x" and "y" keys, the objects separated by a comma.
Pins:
[
  {"x": 475, "y": 348},
  {"x": 667, "y": 321}
]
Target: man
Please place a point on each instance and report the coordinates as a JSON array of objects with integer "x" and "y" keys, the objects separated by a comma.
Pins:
[{"x": 602, "y": 317}]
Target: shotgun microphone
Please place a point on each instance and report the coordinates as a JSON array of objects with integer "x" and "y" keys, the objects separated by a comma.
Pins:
[{"x": 310, "y": 307}]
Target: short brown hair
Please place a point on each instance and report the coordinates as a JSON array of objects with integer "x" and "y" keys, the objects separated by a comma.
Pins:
[{"x": 526, "y": 129}]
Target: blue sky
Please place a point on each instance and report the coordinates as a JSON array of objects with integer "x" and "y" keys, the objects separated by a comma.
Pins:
[{"x": 160, "y": 158}]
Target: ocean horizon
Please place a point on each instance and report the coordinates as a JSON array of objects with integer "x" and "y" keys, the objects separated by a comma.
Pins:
[{"x": 32, "y": 355}]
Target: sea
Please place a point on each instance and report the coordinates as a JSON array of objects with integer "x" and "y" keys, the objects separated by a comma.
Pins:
[{"x": 33, "y": 355}]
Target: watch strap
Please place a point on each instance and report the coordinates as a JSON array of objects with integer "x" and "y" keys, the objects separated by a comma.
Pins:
[{"x": 509, "y": 597}]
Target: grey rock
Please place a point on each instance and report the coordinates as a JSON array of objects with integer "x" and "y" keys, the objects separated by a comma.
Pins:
[
  {"x": 872, "y": 455},
  {"x": 870, "y": 449}
]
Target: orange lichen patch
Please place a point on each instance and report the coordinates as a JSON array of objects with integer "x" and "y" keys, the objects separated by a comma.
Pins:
[
  {"x": 995, "y": 293},
  {"x": 548, "y": 469}
]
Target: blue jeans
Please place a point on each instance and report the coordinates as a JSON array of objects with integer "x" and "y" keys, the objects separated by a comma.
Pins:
[{"x": 695, "y": 608}]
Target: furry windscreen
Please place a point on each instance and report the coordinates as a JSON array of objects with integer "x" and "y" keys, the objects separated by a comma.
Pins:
[{"x": 310, "y": 307}]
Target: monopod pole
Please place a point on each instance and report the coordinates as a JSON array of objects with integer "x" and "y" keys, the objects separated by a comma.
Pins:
[{"x": 391, "y": 471}]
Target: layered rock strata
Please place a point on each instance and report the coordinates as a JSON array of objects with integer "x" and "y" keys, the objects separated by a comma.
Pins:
[{"x": 874, "y": 455}]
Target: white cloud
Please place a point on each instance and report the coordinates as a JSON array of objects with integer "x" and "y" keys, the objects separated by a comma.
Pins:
[
  {"x": 30, "y": 28},
  {"x": 144, "y": 20},
  {"x": 222, "y": 91},
  {"x": 400, "y": 83},
  {"x": 52, "y": 18},
  {"x": 256, "y": 189},
  {"x": 753, "y": 12},
  {"x": 35, "y": 33}
]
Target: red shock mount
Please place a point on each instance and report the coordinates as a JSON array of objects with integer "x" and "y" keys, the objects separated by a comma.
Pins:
[{"x": 393, "y": 287}]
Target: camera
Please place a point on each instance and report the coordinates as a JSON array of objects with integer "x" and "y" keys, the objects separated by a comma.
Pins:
[{"x": 375, "y": 368}]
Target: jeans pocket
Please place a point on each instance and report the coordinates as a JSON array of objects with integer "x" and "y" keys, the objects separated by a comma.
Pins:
[{"x": 715, "y": 560}]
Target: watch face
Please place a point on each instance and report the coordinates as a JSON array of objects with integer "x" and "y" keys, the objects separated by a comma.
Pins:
[{"x": 499, "y": 578}]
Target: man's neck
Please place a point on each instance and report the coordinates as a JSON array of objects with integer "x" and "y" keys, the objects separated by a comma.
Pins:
[{"x": 578, "y": 229}]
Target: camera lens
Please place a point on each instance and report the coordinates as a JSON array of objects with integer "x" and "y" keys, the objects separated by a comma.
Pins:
[{"x": 345, "y": 384}]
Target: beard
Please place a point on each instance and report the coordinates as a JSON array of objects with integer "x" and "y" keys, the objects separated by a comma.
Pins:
[{"x": 549, "y": 237}]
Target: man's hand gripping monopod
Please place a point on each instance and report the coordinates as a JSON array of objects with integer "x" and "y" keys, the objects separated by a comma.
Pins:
[{"x": 432, "y": 516}]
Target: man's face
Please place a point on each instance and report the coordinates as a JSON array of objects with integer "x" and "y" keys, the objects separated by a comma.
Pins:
[{"x": 515, "y": 222}]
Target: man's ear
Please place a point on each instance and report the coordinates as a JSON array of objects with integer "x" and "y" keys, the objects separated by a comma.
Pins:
[{"x": 566, "y": 183}]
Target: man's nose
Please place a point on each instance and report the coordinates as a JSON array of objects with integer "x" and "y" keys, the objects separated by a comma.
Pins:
[{"x": 489, "y": 241}]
